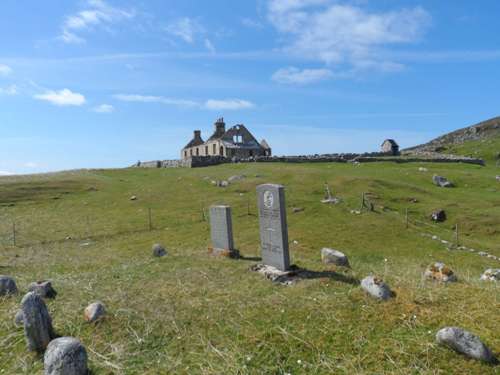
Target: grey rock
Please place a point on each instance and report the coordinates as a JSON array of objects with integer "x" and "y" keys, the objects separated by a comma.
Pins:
[
  {"x": 223, "y": 183},
  {"x": 465, "y": 343},
  {"x": 491, "y": 275},
  {"x": 236, "y": 178},
  {"x": 438, "y": 216},
  {"x": 440, "y": 272},
  {"x": 133, "y": 198},
  {"x": 376, "y": 287},
  {"x": 94, "y": 312},
  {"x": 331, "y": 256},
  {"x": 441, "y": 181},
  {"x": 38, "y": 330},
  {"x": 7, "y": 286},
  {"x": 19, "y": 318},
  {"x": 43, "y": 289},
  {"x": 497, "y": 178},
  {"x": 159, "y": 250},
  {"x": 65, "y": 356}
]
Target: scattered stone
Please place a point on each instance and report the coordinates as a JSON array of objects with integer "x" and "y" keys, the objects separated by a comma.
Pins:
[
  {"x": 38, "y": 330},
  {"x": 236, "y": 178},
  {"x": 331, "y": 200},
  {"x": 355, "y": 212},
  {"x": 438, "y": 216},
  {"x": 465, "y": 343},
  {"x": 422, "y": 169},
  {"x": 376, "y": 287},
  {"x": 491, "y": 275},
  {"x": 497, "y": 178},
  {"x": 68, "y": 238},
  {"x": 413, "y": 200},
  {"x": 19, "y": 318},
  {"x": 7, "y": 286},
  {"x": 482, "y": 253},
  {"x": 43, "y": 289},
  {"x": 94, "y": 312},
  {"x": 440, "y": 272},
  {"x": 275, "y": 275},
  {"x": 297, "y": 209},
  {"x": 441, "y": 181},
  {"x": 435, "y": 238},
  {"x": 331, "y": 256},
  {"x": 65, "y": 356},
  {"x": 213, "y": 182},
  {"x": 133, "y": 198},
  {"x": 159, "y": 250},
  {"x": 222, "y": 183}
]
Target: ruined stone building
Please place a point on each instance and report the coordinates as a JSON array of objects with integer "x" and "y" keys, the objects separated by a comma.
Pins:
[
  {"x": 236, "y": 142},
  {"x": 390, "y": 147}
]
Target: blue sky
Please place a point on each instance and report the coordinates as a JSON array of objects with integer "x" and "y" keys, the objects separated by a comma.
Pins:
[{"x": 104, "y": 83}]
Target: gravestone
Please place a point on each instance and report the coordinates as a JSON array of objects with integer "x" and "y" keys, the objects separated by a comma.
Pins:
[
  {"x": 221, "y": 230},
  {"x": 273, "y": 226}
]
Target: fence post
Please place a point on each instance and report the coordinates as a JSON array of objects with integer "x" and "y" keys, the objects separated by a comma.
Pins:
[
  {"x": 150, "y": 223},
  {"x": 14, "y": 233},
  {"x": 406, "y": 218},
  {"x": 362, "y": 201},
  {"x": 248, "y": 206}
]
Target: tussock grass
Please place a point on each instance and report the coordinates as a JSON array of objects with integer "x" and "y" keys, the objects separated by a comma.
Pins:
[{"x": 189, "y": 313}]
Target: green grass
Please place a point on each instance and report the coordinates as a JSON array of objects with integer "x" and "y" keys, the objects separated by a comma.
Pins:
[
  {"x": 486, "y": 149},
  {"x": 189, "y": 313}
]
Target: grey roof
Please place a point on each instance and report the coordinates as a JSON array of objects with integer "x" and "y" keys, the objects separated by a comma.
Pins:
[
  {"x": 264, "y": 144},
  {"x": 392, "y": 142},
  {"x": 195, "y": 142}
]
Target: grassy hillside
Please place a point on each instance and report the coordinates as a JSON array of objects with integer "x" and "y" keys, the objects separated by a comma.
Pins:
[
  {"x": 189, "y": 313},
  {"x": 486, "y": 149}
]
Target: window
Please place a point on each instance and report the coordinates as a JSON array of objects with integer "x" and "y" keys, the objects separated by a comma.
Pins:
[
  {"x": 237, "y": 139},
  {"x": 221, "y": 151},
  {"x": 185, "y": 154},
  {"x": 214, "y": 151},
  {"x": 197, "y": 151},
  {"x": 206, "y": 150},
  {"x": 191, "y": 152}
]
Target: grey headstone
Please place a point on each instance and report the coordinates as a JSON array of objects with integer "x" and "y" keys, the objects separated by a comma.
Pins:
[
  {"x": 19, "y": 318},
  {"x": 376, "y": 287},
  {"x": 65, "y": 356},
  {"x": 43, "y": 289},
  {"x": 273, "y": 226},
  {"x": 38, "y": 329},
  {"x": 465, "y": 343},
  {"x": 7, "y": 286},
  {"x": 94, "y": 312},
  {"x": 441, "y": 181},
  {"x": 221, "y": 230}
]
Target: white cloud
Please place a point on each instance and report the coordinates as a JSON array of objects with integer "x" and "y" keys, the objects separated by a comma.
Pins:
[
  {"x": 252, "y": 24},
  {"x": 9, "y": 90},
  {"x": 6, "y": 173},
  {"x": 5, "y": 70},
  {"x": 209, "y": 46},
  {"x": 211, "y": 104},
  {"x": 292, "y": 75},
  {"x": 228, "y": 104},
  {"x": 97, "y": 13},
  {"x": 104, "y": 108},
  {"x": 31, "y": 164},
  {"x": 155, "y": 99},
  {"x": 345, "y": 35},
  {"x": 64, "y": 97},
  {"x": 185, "y": 28}
]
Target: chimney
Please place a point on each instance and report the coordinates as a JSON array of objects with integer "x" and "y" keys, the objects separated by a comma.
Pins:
[
  {"x": 197, "y": 134},
  {"x": 220, "y": 126}
]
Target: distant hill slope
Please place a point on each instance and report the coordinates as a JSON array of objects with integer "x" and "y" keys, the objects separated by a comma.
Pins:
[{"x": 484, "y": 130}]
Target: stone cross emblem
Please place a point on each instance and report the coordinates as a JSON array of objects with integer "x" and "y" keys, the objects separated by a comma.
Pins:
[{"x": 268, "y": 199}]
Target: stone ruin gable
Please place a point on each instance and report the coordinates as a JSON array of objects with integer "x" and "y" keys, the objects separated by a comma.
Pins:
[{"x": 240, "y": 143}]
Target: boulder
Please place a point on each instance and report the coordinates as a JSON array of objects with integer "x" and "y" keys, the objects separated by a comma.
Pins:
[
  {"x": 65, "y": 356},
  {"x": 465, "y": 343},
  {"x": 497, "y": 178},
  {"x": 441, "y": 181},
  {"x": 7, "y": 286},
  {"x": 223, "y": 184},
  {"x": 133, "y": 198},
  {"x": 376, "y": 288},
  {"x": 297, "y": 209},
  {"x": 158, "y": 250},
  {"x": 94, "y": 312},
  {"x": 491, "y": 275},
  {"x": 43, "y": 289},
  {"x": 331, "y": 256},
  {"x": 438, "y": 216},
  {"x": 440, "y": 272},
  {"x": 38, "y": 330}
]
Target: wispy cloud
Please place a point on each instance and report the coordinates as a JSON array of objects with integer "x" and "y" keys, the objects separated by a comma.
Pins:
[
  {"x": 64, "y": 97},
  {"x": 228, "y": 104},
  {"x": 251, "y": 23},
  {"x": 210, "y": 47},
  {"x": 292, "y": 75},
  {"x": 5, "y": 70},
  {"x": 345, "y": 35},
  {"x": 104, "y": 108},
  {"x": 10, "y": 90},
  {"x": 6, "y": 173},
  {"x": 31, "y": 164},
  {"x": 96, "y": 13},
  {"x": 210, "y": 104},
  {"x": 185, "y": 28}
]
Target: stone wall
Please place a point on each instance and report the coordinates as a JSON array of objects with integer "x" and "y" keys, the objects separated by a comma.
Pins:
[{"x": 205, "y": 161}]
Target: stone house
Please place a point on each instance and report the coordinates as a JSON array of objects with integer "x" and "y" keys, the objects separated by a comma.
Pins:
[
  {"x": 390, "y": 147},
  {"x": 236, "y": 142}
]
